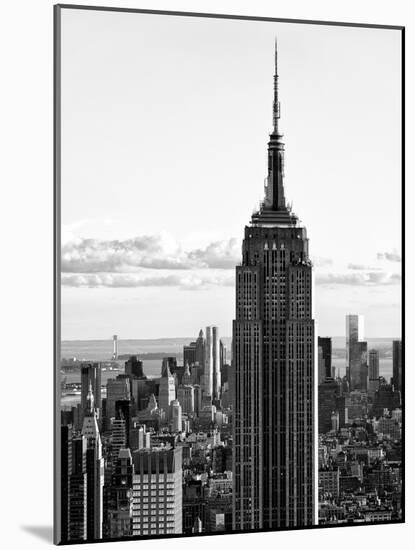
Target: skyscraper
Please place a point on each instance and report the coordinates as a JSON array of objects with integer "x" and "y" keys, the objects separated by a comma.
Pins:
[
  {"x": 274, "y": 482},
  {"x": 200, "y": 349},
  {"x": 187, "y": 377},
  {"x": 115, "y": 347},
  {"x": 328, "y": 393},
  {"x": 321, "y": 366},
  {"x": 167, "y": 391},
  {"x": 216, "y": 362},
  {"x": 66, "y": 459},
  {"x": 77, "y": 491},
  {"x": 117, "y": 389},
  {"x": 91, "y": 374},
  {"x": 134, "y": 367},
  {"x": 397, "y": 364},
  {"x": 176, "y": 416},
  {"x": 120, "y": 509},
  {"x": 157, "y": 491},
  {"x": 94, "y": 470},
  {"x": 373, "y": 383},
  {"x": 325, "y": 344},
  {"x": 189, "y": 354},
  {"x": 118, "y": 436},
  {"x": 356, "y": 353},
  {"x": 186, "y": 398},
  {"x": 208, "y": 372}
]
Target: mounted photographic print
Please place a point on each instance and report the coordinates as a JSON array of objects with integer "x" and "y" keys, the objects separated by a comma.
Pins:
[{"x": 228, "y": 254}]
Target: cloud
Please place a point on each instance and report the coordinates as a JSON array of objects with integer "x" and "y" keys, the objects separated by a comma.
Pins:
[
  {"x": 218, "y": 255},
  {"x": 184, "y": 282},
  {"x": 320, "y": 261},
  {"x": 147, "y": 251},
  {"x": 389, "y": 256},
  {"x": 160, "y": 261},
  {"x": 360, "y": 267},
  {"x": 369, "y": 278}
]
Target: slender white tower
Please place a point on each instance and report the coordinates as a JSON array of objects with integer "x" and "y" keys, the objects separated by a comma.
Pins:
[{"x": 208, "y": 374}]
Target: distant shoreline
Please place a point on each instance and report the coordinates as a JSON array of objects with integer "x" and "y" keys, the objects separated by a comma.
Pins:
[{"x": 193, "y": 338}]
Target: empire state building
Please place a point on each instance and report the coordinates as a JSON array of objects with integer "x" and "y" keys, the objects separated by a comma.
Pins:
[{"x": 274, "y": 399}]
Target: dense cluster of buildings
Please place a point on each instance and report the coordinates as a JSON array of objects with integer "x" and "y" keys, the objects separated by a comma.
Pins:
[
  {"x": 213, "y": 446},
  {"x": 133, "y": 461},
  {"x": 360, "y": 434}
]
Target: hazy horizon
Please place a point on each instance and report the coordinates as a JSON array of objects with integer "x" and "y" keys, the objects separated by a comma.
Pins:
[{"x": 193, "y": 338}]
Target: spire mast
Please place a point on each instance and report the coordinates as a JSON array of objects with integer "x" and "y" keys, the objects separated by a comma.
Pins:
[
  {"x": 273, "y": 209},
  {"x": 276, "y": 104}
]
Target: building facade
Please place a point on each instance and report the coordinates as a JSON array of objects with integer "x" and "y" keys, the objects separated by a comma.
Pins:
[
  {"x": 216, "y": 363},
  {"x": 324, "y": 343},
  {"x": 397, "y": 364},
  {"x": 91, "y": 374},
  {"x": 186, "y": 398},
  {"x": 176, "y": 416},
  {"x": 167, "y": 390},
  {"x": 120, "y": 508},
  {"x": 118, "y": 389},
  {"x": 356, "y": 353},
  {"x": 77, "y": 490},
  {"x": 208, "y": 372},
  {"x": 373, "y": 382},
  {"x": 157, "y": 491},
  {"x": 274, "y": 417},
  {"x": 94, "y": 471}
]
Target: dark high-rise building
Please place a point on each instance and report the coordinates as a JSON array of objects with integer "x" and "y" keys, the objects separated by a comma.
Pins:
[
  {"x": 222, "y": 459},
  {"x": 274, "y": 424},
  {"x": 194, "y": 356},
  {"x": 77, "y": 525},
  {"x": 194, "y": 503},
  {"x": 325, "y": 345},
  {"x": 328, "y": 393},
  {"x": 94, "y": 471},
  {"x": 66, "y": 459},
  {"x": 117, "y": 390},
  {"x": 189, "y": 354},
  {"x": 373, "y": 382},
  {"x": 120, "y": 507},
  {"x": 200, "y": 349},
  {"x": 386, "y": 397},
  {"x": 397, "y": 364},
  {"x": 134, "y": 367},
  {"x": 356, "y": 353}
]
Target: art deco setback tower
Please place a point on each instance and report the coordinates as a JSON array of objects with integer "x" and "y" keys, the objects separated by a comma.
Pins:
[{"x": 273, "y": 363}]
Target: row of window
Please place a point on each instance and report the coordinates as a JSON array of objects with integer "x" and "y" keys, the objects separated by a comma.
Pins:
[{"x": 148, "y": 512}]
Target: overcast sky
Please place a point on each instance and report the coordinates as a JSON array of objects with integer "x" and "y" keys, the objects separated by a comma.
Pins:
[{"x": 165, "y": 122}]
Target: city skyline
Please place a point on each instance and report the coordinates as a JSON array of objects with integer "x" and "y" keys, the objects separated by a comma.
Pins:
[
  {"x": 279, "y": 426},
  {"x": 190, "y": 266}
]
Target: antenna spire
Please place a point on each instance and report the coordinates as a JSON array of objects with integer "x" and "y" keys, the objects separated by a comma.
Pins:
[{"x": 276, "y": 104}]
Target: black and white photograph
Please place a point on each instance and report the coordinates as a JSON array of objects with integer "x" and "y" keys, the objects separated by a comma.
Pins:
[{"x": 229, "y": 329}]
